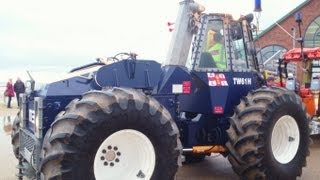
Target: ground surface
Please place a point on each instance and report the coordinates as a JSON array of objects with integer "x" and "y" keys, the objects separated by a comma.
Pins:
[
  {"x": 214, "y": 167},
  {"x": 217, "y": 167}
]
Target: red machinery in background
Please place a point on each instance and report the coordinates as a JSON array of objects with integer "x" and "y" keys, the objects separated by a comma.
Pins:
[
  {"x": 294, "y": 55},
  {"x": 309, "y": 87}
]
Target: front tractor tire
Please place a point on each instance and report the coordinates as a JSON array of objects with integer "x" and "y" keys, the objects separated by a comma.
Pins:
[
  {"x": 112, "y": 134},
  {"x": 269, "y": 135}
]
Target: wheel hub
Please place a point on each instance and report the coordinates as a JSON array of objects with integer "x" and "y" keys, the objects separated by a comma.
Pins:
[
  {"x": 285, "y": 139},
  {"x": 110, "y": 155},
  {"x": 126, "y": 154}
]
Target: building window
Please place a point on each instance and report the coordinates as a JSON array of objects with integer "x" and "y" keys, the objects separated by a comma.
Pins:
[
  {"x": 312, "y": 39},
  {"x": 267, "y": 52},
  {"x": 312, "y": 36}
]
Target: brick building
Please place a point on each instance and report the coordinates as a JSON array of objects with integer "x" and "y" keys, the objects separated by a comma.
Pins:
[{"x": 277, "y": 37}]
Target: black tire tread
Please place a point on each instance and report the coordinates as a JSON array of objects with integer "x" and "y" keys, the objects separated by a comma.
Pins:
[
  {"x": 68, "y": 132},
  {"x": 247, "y": 132}
]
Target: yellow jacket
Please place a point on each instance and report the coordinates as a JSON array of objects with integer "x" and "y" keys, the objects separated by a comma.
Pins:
[{"x": 219, "y": 56}]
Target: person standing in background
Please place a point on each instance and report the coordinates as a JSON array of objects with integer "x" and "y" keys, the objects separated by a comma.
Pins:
[
  {"x": 18, "y": 89},
  {"x": 9, "y": 92}
]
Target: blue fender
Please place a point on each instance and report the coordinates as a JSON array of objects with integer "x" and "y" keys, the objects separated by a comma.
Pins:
[{"x": 138, "y": 74}]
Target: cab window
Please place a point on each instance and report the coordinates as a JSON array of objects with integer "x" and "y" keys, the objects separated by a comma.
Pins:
[{"x": 213, "y": 54}]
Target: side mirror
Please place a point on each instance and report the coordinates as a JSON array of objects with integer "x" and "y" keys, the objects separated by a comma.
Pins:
[
  {"x": 249, "y": 18},
  {"x": 236, "y": 32}
]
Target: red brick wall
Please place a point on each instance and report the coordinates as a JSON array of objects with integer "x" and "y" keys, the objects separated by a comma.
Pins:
[{"x": 276, "y": 35}]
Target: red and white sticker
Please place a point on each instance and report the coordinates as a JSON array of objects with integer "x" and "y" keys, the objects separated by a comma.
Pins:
[
  {"x": 184, "y": 88},
  {"x": 217, "y": 79}
]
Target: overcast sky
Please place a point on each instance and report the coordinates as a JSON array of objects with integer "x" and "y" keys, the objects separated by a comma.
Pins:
[{"x": 75, "y": 32}]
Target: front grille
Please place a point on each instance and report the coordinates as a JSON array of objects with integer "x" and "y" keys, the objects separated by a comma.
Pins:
[{"x": 30, "y": 147}]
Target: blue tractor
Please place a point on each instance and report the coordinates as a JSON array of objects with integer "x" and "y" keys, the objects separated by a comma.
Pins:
[{"x": 138, "y": 119}]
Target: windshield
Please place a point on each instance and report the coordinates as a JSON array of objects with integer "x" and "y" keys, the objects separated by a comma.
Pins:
[
  {"x": 220, "y": 46},
  {"x": 238, "y": 48},
  {"x": 213, "y": 53}
]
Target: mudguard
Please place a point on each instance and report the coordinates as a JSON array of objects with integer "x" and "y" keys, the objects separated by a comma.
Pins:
[{"x": 138, "y": 74}]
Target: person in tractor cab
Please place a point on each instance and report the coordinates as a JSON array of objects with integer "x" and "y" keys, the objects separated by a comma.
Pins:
[{"x": 217, "y": 49}]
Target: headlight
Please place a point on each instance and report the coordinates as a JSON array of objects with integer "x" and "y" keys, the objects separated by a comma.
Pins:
[{"x": 38, "y": 108}]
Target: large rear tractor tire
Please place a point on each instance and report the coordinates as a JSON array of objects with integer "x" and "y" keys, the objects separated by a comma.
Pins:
[
  {"x": 269, "y": 135},
  {"x": 114, "y": 134},
  {"x": 15, "y": 136}
]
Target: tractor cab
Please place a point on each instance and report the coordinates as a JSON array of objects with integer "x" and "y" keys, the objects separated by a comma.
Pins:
[
  {"x": 211, "y": 56},
  {"x": 223, "y": 44},
  {"x": 223, "y": 58}
]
